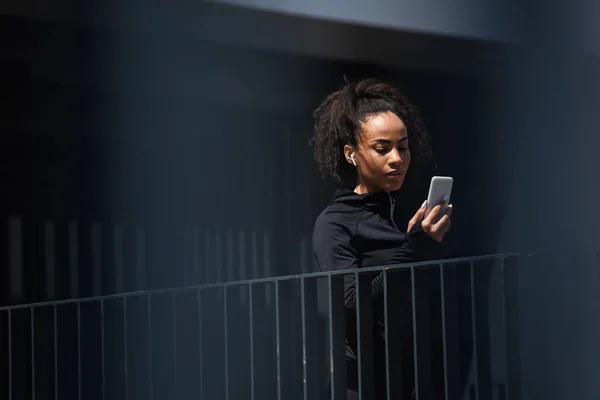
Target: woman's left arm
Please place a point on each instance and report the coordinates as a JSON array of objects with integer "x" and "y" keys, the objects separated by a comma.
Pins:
[{"x": 423, "y": 235}]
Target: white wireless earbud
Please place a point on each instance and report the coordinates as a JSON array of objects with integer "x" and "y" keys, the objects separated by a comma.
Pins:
[{"x": 352, "y": 158}]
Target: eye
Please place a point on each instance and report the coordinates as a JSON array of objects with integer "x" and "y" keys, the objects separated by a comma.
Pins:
[
  {"x": 381, "y": 150},
  {"x": 403, "y": 146}
]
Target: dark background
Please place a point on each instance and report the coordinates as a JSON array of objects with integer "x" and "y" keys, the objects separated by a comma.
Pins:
[
  {"x": 145, "y": 154},
  {"x": 163, "y": 133}
]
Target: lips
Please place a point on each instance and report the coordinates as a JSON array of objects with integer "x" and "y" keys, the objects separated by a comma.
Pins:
[{"x": 394, "y": 173}]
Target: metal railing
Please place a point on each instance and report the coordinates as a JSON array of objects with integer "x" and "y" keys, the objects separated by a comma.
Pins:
[{"x": 275, "y": 338}]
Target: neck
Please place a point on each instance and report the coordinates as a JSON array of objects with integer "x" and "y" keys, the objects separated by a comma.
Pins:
[
  {"x": 360, "y": 189},
  {"x": 363, "y": 189}
]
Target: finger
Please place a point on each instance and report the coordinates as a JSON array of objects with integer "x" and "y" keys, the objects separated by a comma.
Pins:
[
  {"x": 419, "y": 214},
  {"x": 441, "y": 224},
  {"x": 439, "y": 235},
  {"x": 433, "y": 214},
  {"x": 440, "y": 230},
  {"x": 446, "y": 227},
  {"x": 415, "y": 219}
]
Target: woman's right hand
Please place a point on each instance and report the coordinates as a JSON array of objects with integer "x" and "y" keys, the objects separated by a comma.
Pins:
[{"x": 434, "y": 226}]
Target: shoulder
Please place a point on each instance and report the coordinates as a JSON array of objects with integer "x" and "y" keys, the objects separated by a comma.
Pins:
[
  {"x": 332, "y": 240},
  {"x": 336, "y": 218}
]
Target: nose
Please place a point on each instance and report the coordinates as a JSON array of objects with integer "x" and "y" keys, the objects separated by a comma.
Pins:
[{"x": 395, "y": 157}]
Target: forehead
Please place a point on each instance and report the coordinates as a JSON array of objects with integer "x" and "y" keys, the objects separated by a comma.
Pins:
[{"x": 383, "y": 126}]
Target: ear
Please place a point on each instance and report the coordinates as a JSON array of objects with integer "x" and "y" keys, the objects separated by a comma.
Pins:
[{"x": 348, "y": 151}]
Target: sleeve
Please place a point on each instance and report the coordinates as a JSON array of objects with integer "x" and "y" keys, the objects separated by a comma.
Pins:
[
  {"x": 414, "y": 249},
  {"x": 333, "y": 250}
]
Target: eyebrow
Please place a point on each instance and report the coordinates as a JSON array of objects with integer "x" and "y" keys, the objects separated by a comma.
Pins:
[{"x": 387, "y": 141}]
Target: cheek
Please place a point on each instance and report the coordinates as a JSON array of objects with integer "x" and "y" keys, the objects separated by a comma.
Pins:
[{"x": 371, "y": 163}]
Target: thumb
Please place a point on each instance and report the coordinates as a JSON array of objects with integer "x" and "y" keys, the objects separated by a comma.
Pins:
[
  {"x": 421, "y": 211},
  {"x": 418, "y": 216}
]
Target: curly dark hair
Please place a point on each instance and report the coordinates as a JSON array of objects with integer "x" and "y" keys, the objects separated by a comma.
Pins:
[{"x": 339, "y": 117}]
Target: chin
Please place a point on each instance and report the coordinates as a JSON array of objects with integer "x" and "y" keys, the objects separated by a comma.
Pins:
[{"x": 394, "y": 187}]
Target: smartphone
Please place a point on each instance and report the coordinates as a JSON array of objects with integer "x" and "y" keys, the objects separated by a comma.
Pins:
[{"x": 440, "y": 187}]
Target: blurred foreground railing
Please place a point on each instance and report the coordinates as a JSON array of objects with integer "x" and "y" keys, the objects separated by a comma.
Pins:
[{"x": 272, "y": 338}]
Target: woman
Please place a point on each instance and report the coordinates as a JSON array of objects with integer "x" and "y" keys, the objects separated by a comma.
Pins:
[{"x": 365, "y": 134}]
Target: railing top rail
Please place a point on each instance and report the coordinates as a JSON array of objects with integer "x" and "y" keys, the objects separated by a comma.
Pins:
[{"x": 265, "y": 280}]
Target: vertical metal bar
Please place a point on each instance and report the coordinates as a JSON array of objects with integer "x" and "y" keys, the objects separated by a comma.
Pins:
[
  {"x": 450, "y": 331},
  {"x": 278, "y": 339},
  {"x": 125, "y": 355},
  {"x": 481, "y": 285},
  {"x": 310, "y": 338},
  {"x": 201, "y": 362},
  {"x": 359, "y": 338},
  {"x": 9, "y": 354},
  {"x": 304, "y": 338},
  {"x": 414, "y": 323},
  {"x": 54, "y": 312},
  {"x": 444, "y": 338},
  {"x": 32, "y": 326},
  {"x": 514, "y": 386},
  {"x": 150, "y": 386},
  {"x": 174, "y": 313},
  {"x": 102, "y": 349},
  {"x": 395, "y": 311},
  {"x": 226, "y": 338},
  {"x": 504, "y": 389},
  {"x": 387, "y": 334},
  {"x": 251, "y": 315},
  {"x": 364, "y": 335},
  {"x": 337, "y": 334},
  {"x": 474, "y": 330},
  {"x": 422, "y": 329},
  {"x": 79, "y": 350}
]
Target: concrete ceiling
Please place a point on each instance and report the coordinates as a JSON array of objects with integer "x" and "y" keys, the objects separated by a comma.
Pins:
[{"x": 270, "y": 31}]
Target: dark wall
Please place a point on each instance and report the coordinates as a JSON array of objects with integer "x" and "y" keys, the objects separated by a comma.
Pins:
[
  {"x": 129, "y": 130},
  {"x": 203, "y": 148}
]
